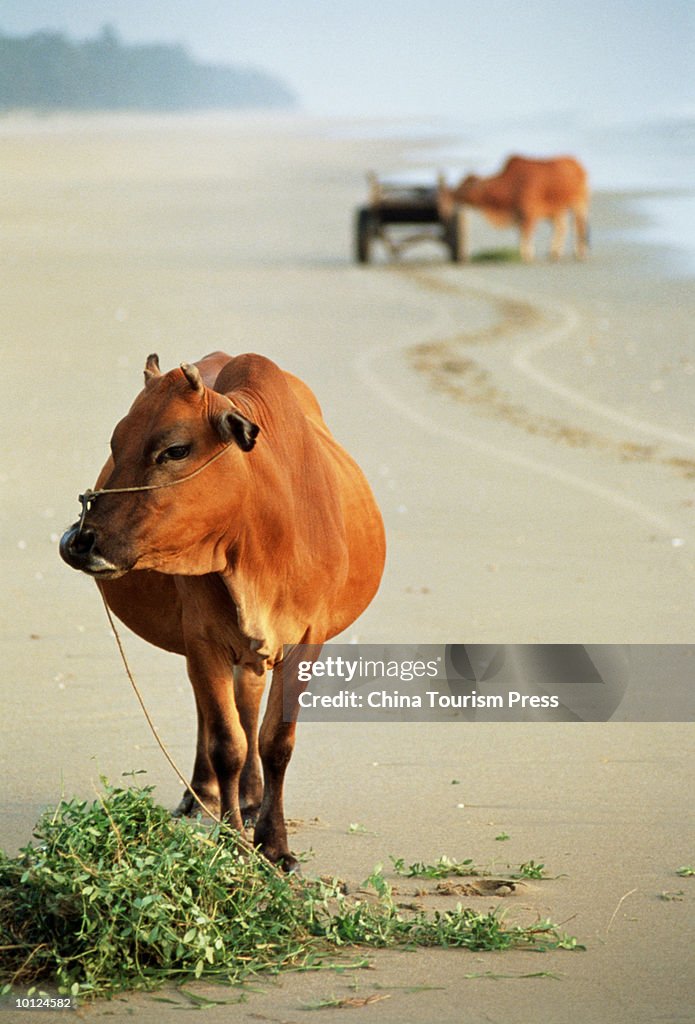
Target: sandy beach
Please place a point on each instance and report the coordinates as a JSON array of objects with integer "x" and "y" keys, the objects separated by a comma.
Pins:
[{"x": 528, "y": 432}]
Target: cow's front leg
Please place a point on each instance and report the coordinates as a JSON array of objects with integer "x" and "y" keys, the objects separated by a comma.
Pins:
[
  {"x": 248, "y": 689},
  {"x": 527, "y": 227},
  {"x": 204, "y": 781},
  {"x": 220, "y": 728}
]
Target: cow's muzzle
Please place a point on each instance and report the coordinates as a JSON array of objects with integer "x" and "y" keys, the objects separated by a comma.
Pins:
[{"x": 78, "y": 547}]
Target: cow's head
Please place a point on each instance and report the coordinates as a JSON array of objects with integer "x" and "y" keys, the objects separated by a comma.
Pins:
[
  {"x": 449, "y": 198},
  {"x": 164, "y": 501},
  {"x": 467, "y": 188}
]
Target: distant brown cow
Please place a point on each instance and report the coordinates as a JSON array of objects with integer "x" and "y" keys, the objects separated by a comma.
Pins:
[
  {"x": 524, "y": 192},
  {"x": 230, "y": 523}
]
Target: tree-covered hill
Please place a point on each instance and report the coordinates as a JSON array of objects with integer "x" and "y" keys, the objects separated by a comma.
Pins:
[{"x": 47, "y": 71}]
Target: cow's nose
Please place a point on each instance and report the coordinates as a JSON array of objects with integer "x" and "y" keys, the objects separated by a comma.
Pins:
[
  {"x": 79, "y": 548},
  {"x": 76, "y": 546}
]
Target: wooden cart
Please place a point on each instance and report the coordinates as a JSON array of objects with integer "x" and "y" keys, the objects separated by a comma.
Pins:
[{"x": 402, "y": 206}]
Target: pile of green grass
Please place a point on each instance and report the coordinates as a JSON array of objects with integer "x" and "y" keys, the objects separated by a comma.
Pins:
[
  {"x": 117, "y": 895},
  {"x": 445, "y": 867},
  {"x": 501, "y": 255}
]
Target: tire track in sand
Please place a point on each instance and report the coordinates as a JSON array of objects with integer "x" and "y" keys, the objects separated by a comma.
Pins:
[
  {"x": 475, "y": 386},
  {"x": 450, "y": 370}
]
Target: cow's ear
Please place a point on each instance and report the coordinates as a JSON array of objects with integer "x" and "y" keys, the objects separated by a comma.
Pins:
[{"x": 232, "y": 426}]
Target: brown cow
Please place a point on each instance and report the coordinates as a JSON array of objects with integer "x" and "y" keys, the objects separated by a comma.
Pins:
[
  {"x": 270, "y": 537},
  {"x": 524, "y": 192}
]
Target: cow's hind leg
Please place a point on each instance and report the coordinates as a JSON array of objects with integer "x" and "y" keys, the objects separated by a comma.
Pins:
[
  {"x": 248, "y": 688},
  {"x": 581, "y": 232},
  {"x": 557, "y": 242}
]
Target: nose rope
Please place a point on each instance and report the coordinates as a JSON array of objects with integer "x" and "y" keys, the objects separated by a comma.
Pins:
[
  {"x": 239, "y": 838},
  {"x": 89, "y": 495}
]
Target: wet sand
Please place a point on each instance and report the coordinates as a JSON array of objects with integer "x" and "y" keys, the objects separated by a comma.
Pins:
[{"x": 529, "y": 435}]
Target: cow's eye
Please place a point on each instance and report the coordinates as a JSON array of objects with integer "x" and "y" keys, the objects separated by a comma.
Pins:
[{"x": 175, "y": 453}]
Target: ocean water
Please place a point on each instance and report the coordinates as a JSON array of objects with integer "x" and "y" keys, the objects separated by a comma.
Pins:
[{"x": 650, "y": 160}]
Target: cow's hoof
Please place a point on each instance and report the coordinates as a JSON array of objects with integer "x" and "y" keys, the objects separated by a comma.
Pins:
[
  {"x": 286, "y": 862},
  {"x": 289, "y": 865},
  {"x": 189, "y": 806}
]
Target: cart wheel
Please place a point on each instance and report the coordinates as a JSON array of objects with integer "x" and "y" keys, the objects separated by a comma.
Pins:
[
  {"x": 365, "y": 232},
  {"x": 456, "y": 236}
]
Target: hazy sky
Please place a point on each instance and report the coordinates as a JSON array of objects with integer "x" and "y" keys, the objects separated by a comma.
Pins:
[{"x": 463, "y": 58}]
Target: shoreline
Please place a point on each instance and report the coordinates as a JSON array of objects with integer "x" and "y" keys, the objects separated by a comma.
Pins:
[{"x": 424, "y": 150}]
